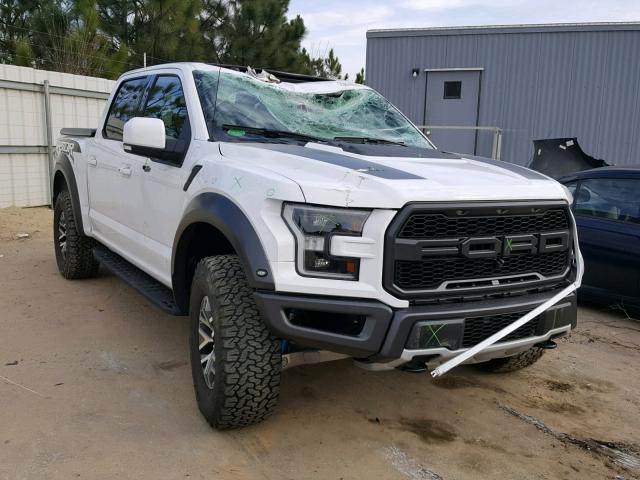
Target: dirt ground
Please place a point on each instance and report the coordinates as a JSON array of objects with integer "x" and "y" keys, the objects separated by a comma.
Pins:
[{"x": 94, "y": 383}]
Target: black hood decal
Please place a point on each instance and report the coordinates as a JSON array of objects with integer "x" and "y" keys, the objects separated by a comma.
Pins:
[
  {"x": 512, "y": 167},
  {"x": 357, "y": 164},
  {"x": 400, "y": 151}
]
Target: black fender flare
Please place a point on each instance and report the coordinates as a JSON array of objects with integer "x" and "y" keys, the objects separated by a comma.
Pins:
[
  {"x": 223, "y": 214},
  {"x": 63, "y": 166}
]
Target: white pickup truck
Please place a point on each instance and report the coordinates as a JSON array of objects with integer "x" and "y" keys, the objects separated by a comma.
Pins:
[{"x": 289, "y": 215}]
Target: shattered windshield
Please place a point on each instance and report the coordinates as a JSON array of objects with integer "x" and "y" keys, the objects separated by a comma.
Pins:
[{"x": 239, "y": 107}]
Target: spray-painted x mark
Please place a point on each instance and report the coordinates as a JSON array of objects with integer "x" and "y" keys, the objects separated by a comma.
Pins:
[
  {"x": 434, "y": 334},
  {"x": 509, "y": 245}
]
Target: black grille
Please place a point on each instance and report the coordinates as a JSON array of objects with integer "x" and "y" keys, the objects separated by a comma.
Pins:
[
  {"x": 434, "y": 225},
  {"x": 431, "y": 273},
  {"x": 477, "y": 329},
  {"x": 436, "y": 251}
]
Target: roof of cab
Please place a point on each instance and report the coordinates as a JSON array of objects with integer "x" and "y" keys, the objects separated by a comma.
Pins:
[{"x": 191, "y": 66}]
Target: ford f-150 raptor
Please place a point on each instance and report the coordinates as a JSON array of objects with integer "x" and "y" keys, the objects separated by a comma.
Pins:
[{"x": 287, "y": 214}]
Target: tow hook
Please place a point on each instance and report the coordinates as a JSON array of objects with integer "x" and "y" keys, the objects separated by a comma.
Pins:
[{"x": 547, "y": 345}]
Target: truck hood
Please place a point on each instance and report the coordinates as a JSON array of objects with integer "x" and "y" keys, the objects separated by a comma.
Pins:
[{"x": 329, "y": 175}]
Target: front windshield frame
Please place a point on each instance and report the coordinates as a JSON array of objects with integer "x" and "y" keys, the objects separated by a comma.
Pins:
[{"x": 319, "y": 110}]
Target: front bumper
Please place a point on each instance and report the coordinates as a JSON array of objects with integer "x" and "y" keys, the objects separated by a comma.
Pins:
[
  {"x": 435, "y": 357},
  {"x": 374, "y": 331}
]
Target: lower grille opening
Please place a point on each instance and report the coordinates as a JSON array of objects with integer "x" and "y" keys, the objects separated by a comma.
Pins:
[
  {"x": 341, "y": 323},
  {"x": 477, "y": 329}
]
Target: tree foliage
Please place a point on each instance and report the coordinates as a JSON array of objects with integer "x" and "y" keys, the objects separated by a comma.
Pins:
[
  {"x": 14, "y": 25},
  {"x": 108, "y": 37},
  {"x": 257, "y": 33},
  {"x": 61, "y": 36}
]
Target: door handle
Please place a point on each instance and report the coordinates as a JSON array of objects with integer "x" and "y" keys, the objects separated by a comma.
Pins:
[
  {"x": 92, "y": 161},
  {"x": 124, "y": 170}
]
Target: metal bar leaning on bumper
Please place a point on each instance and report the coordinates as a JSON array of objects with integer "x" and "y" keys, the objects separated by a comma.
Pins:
[{"x": 455, "y": 361}]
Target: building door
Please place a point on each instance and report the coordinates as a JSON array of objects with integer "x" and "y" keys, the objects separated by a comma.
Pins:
[{"x": 452, "y": 100}]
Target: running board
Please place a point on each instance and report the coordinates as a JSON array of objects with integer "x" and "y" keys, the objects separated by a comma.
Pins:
[{"x": 148, "y": 286}]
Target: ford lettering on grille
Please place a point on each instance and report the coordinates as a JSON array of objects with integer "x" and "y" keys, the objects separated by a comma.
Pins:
[{"x": 494, "y": 247}]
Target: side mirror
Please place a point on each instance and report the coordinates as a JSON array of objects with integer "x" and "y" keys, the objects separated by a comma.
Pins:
[{"x": 143, "y": 136}]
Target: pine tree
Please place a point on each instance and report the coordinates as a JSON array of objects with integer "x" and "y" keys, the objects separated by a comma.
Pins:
[
  {"x": 24, "y": 55},
  {"x": 167, "y": 30},
  {"x": 65, "y": 37},
  {"x": 255, "y": 33},
  {"x": 15, "y": 18},
  {"x": 333, "y": 68},
  {"x": 107, "y": 37}
]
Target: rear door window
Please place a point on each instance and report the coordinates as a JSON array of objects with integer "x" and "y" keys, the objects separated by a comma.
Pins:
[
  {"x": 609, "y": 198},
  {"x": 124, "y": 107}
]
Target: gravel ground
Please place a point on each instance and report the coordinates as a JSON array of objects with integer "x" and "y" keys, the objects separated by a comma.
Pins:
[{"x": 95, "y": 383}]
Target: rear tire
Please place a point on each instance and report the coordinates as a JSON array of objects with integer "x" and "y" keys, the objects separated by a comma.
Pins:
[
  {"x": 235, "y": 361},
  {"x": 74, "y": 250},
  {"x": 511, "y": 364}
]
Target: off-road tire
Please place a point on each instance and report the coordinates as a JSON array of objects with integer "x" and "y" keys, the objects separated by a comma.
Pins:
[
  {"x": 511, "y": 364},
  {"x": 247, "y": 358},
  {"x": 77, "y": 260}
]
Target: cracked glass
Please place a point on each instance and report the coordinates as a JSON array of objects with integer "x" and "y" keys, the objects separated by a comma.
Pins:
[{"x": 321, "y": 110}]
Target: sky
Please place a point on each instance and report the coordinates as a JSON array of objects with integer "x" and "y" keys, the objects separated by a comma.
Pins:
[{"x": 342, "y": 24}]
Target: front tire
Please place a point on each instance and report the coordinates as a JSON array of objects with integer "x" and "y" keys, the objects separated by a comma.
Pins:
[
  {"x": 513, "y": 363},
  {"x": 235, "y": 361},
  {"x": 74, "y": 250}
]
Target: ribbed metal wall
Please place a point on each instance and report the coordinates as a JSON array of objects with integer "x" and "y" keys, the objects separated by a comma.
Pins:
[
  {"x": 23, "y": 176},
  {"x": 537, "y": 82}
]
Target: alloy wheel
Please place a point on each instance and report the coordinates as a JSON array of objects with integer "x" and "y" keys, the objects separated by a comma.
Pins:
[
  {"x": 62, "y": 235},
  {"x": 206, "y": 341}
]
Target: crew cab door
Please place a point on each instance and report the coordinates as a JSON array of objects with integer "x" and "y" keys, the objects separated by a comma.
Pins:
[
  {"x": 115, "y": 197},
  {"x": 164, "y": 176}
]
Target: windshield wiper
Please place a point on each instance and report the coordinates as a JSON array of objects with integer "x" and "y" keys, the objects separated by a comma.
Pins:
[
  {"x": 266, "y": 132},
  {"x": 379, "y": 141}
]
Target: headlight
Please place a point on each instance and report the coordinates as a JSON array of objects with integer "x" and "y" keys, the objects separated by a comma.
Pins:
[{"x": 313, "y": 228}]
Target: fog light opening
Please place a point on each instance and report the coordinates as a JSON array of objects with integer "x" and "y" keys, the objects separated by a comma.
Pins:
[{"x": 332, "y": 322}]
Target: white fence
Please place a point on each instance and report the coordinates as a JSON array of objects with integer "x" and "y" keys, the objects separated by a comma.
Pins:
[{"x": 34, "y": 106}]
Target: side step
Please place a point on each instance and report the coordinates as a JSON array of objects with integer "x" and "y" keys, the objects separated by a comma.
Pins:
[{"x": 148, "y": 286}]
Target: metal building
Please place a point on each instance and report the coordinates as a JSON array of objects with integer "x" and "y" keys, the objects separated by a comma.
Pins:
[{"x": 530, "y": 81}]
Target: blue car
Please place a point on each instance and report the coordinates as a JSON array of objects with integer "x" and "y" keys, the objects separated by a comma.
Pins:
[{"x": 607, "y": 210}]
